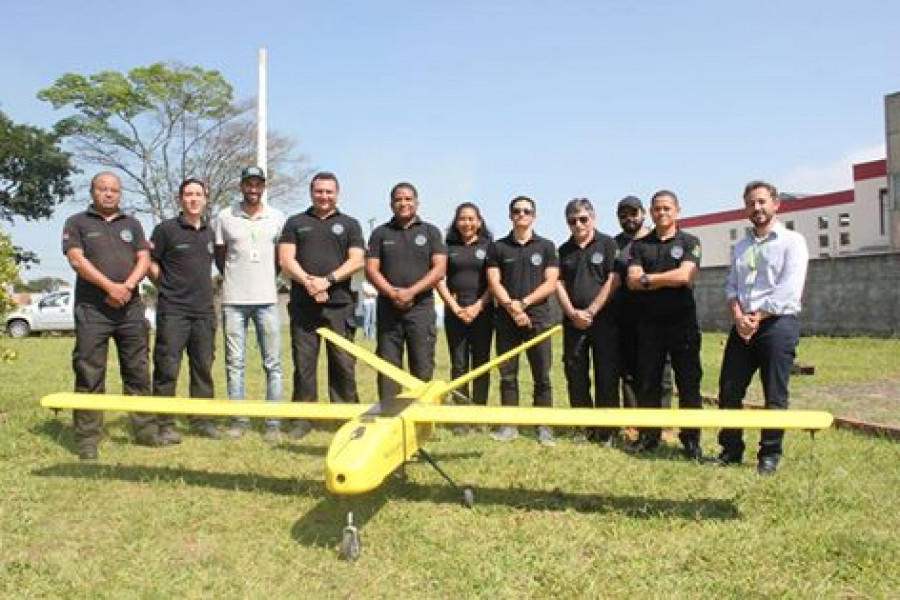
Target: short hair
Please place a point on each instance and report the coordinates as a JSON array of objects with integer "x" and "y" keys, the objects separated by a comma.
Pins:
[
  {"x": 663, "y": 193},
  {"x": 453, "y": 236},
  {"x": 189, "y": 181},
  {"x": 576, "y": 204},
  {"x": 324, "y": 176},
  {"x": 522, "y": 199},
  {"x": 102, "y": 174},
  {"x": 755, "y": 185},
  {"x": 404, "y": 185}
]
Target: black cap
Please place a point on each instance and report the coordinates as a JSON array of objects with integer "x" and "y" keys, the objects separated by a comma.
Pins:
[
  {"x": 249, "y": 172},
  {"x": 630, "y": 202}
]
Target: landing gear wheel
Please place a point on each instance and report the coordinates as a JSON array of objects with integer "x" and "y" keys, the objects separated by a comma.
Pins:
[
  {"x": 468, "y": 497},
  {"x": 351, "y": 546}
]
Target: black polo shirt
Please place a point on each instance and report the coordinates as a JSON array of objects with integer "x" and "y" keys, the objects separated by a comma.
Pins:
[
  {"x": 321, "y": 246},
  {"x": 111, "y": 246},
  {"x": 584, "y": 271},
  {"x": 185, "y": 257},
  {"x": 466, "y": 270},
  {"x": 658, "y": 256},
  {"x": 522, "y": 266},
  {"x": 405, "y": 252}
]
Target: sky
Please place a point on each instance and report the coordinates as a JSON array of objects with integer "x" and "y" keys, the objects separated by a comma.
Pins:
[{"x": 484, "y": 100}]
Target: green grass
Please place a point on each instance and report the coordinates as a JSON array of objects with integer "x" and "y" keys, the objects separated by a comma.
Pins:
[{"x": 240, "y": 519}]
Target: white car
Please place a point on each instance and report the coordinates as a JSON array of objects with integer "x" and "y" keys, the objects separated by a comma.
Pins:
[{"x": 53, "y": 312}]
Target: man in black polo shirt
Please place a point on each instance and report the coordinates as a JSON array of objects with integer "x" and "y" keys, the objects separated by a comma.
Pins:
[
  {"x": 405, "y": 260},
  {"x": 661, "y": 270},
  {"x": 588, "y": 280},
  {"x": 181, "y": 266},
  {"x": 522, "y": 271},
  {"x": 320, "y": 249},
  {"x": 110, "y": 255}
]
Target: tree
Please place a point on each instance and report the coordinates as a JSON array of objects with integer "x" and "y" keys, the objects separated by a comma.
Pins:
[
  {"x": 159, "y": 124},
  {"x": 34, "y": 171},
  {"x": 9, "y": 272},
  {"x": 41, "y": 285}
]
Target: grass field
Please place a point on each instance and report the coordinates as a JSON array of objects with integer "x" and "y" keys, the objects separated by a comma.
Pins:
[{"x": 210, "y": 519}]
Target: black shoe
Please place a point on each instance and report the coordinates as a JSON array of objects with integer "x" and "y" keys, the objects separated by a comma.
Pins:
[
  {"x": 692, "y": 451},
  {"x": 169, "y": 436},
  {"x": 207, "y": 430},
  {"x": 726, "y": 459},
  {"x": 153, "y": 440},
  {"x": 87, "y": 453},
  {"x": 640, "y": 446},
  {"x": 767, "y": 465}
]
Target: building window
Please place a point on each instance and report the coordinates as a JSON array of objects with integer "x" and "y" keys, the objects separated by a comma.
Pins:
[
  {"x": 823, "y": 222},
  {"x": 789, "y": 225},
  {"x": 845, "y": 238},
  {"x": 732, "y": 234},
  {"x": 844, "y": 219},
  {"x": 823, "y": 241},
  {"x": 883, "y": 205}
]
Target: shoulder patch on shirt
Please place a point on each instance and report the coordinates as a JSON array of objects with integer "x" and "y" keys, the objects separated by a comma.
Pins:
[{"x": 696, "y": 251}]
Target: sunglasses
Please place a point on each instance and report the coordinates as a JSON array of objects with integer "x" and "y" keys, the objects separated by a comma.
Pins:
[
  {"x": 522, "y": 211},
  {"x": 583, "y": 220}
]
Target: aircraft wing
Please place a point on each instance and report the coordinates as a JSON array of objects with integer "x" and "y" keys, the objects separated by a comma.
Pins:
[
  {"x": 196, "y": 406},
  {"x": 613, "y": 417},
  {"x": 406, "y": 380}
]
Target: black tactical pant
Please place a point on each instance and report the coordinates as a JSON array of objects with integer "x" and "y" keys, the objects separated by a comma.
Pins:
[
  {"x": 597, "y": 347},
  {"x": 510, "y": 335},
  {"x": 94, "y": 327},
  {"x": 470, "y": 347},
  {"x": 680, "y": 339},
  {"x": 176, "y": 334},
  {"x": 412, "y": 330},
  {"x": 305, "y": 343},
  {"x": 628, "y": 363}
]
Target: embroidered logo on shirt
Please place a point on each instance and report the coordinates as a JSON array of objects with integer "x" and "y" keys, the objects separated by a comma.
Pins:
[
  {"x": 337, "y": 229},
  {"x": 537, "y": 259},
  {"x": 480, "y": 254},
  {"x": 597, "y": 258},
  {"x": 126, "y": 236},
  {"x": 677, "y": 252},
  {"x": 421, "y": 240}
]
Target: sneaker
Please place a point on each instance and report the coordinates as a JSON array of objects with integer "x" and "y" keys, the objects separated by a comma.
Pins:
[
  {"x": 545, "y": 436},
  {"x": 641, "y": 446},
  {"x": 507, "y": 433},
  {"x": 169, "y": 435},
  {"x": 300, "y": 429},
  {"x": 272, "y": 434},
  {"x": 606, "y": 441},
  {"x": 692, "y": 451},
  {"x": 236, "y": 431},
  {"x": 726, "y": 459},
  {"x": 580, "y": 437}
]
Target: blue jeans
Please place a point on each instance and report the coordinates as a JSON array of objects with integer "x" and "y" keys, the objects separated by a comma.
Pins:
[{"x": 235, "y": 319}]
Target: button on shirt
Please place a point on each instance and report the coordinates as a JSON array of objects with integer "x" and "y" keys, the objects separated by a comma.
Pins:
[
  {"x": 405, "y": 252},
  {"x": 658, "y": 256},
  {"x": 768, "y": 274},
  {"x": 111, "y": 246},
  {"x": 584, "y": 271},
  {"x": 466, "y": 273},
  {"x": 522, "y": 266},
  {"x": 249, "y": 276},
  {"x": 322, "y": 245},
  {"x": 185, "y": 256}
]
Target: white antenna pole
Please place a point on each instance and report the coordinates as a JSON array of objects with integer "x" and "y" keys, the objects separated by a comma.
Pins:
[{"x": 262, "y": 117}]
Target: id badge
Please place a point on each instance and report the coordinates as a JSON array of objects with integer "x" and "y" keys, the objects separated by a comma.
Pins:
[{"x": 254, "y": 255}]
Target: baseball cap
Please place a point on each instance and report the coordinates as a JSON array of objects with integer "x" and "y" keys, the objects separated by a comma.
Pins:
[
  {"x": 249, "y": 172},
  {"x": 630, "y": 202}
]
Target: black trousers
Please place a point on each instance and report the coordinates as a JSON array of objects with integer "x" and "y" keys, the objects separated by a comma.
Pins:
[
  {"x": 595, "y": 348},
  {"x": 176, "y": 334},
  {"x": 771, "y": 351},
  {"x": 411, "y": 330},
  {"x": 94, "y": 327},
  {"x": 628, "y": 363},
  {"x": 470, "y": 347},
  {"x": 305, "y": 343},
  {"x": 680, "y": 339},
  {"x": 510, "y": 335}
]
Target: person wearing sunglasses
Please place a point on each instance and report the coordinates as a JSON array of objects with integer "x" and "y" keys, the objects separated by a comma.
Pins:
[
  {"x": 661, "y": 270},
  {"x": 522, "y": 271},
  {"x": 588, "y": 279}
]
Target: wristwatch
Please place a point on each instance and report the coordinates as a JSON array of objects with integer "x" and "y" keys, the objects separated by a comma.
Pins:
[
  {"x": 525, "y": 303},
  {"x": 331, "y": 279},
  {"x": 645, "y": 281}
]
